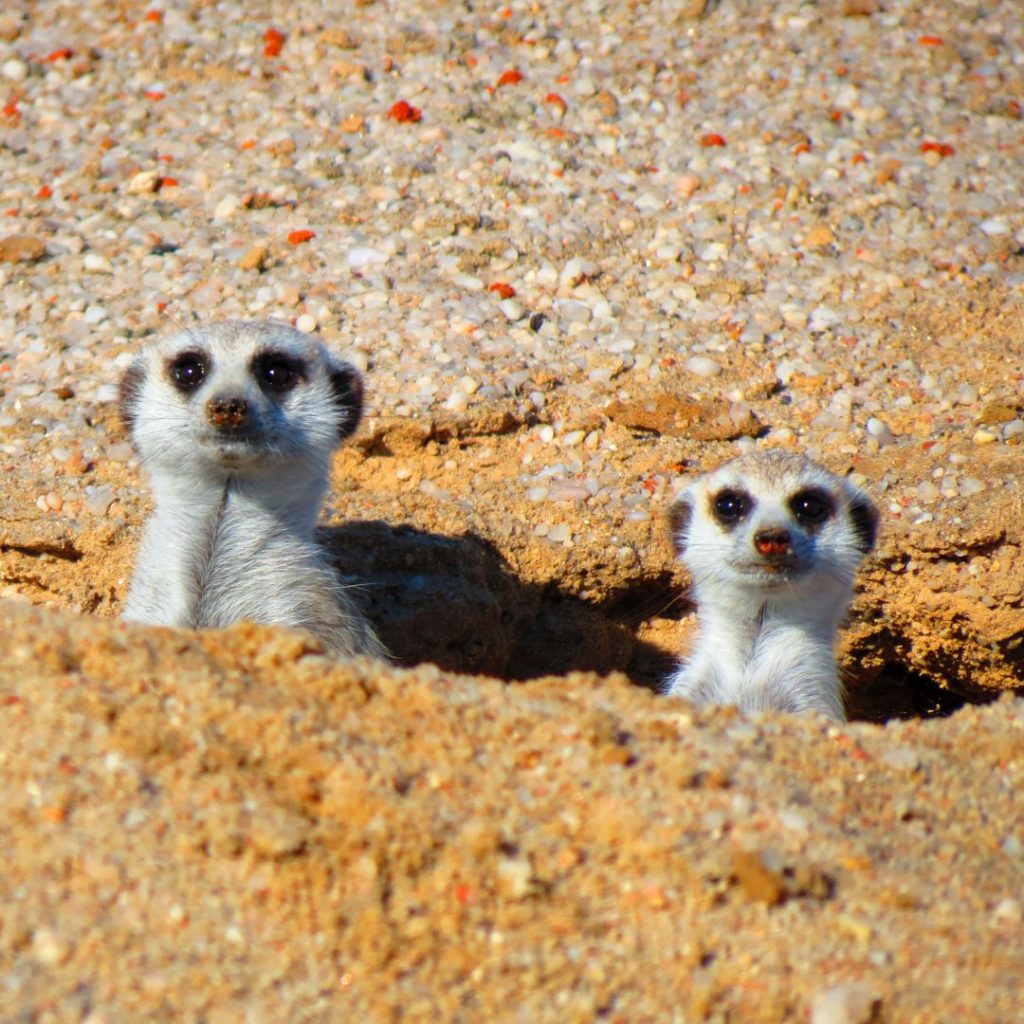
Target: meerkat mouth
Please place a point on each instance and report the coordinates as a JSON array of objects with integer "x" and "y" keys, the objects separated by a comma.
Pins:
[
  {"x": 772, "y": 574},
  {"x": 237, "y": 449}
]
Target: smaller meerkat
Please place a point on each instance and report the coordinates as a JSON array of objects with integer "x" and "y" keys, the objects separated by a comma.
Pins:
[
  {"x": 773, "y": 542},
  {"x": 235, "y": 423}
]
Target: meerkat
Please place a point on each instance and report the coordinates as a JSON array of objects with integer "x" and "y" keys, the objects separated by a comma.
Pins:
[
  {"x": 235, "y": 424},
  {"x": 773, "y": 542}
]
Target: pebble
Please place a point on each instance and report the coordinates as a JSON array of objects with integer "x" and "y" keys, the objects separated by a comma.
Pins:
[
  {"x": 702, "y": 366},
  {"x": 879, "y": 430},
  {"x": 853, "y": 1002},
  {"x": 97, "y": 263},
  {"x": 50, "y": 948},
  {"x": 14, "y": 70}
]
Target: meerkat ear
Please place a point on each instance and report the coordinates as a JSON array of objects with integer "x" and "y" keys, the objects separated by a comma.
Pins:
[
  {"x": 347, "y": 385},
  {"x": 128, "y": 392},
  {"x": 864, "y": 517},
  {"x": 679, "y": 517}
]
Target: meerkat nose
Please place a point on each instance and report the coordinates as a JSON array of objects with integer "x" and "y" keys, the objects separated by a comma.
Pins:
[
  {"x": 227, "y": 413},
  {"x": 773, "y": 542}
]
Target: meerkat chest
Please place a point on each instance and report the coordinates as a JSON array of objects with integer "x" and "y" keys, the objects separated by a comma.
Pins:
[{"x": 254, "y": 562}]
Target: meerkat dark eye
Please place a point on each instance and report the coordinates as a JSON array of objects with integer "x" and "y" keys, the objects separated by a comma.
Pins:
[
  {"x": 811, "y": 507},
  {"x": 277, "y": 373},
  {"x": 187, "y": 371},
  {"x": 729, "y": 506}
]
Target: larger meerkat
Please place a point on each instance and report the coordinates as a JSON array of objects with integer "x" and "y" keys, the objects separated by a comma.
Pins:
[
  {"x": 773, "y": 542},
  {"x": 235, "y": 423}
]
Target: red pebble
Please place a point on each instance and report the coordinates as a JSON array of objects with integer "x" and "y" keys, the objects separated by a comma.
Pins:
[
  {"x": 510, "y": 77},
  {"x": 298, "y": 237},
  {"x": 405, "y": 113},
  {"x": 273, "y": 42},
  {"x": 503, "y": 288},
  {"x": 712, "y": 139}
]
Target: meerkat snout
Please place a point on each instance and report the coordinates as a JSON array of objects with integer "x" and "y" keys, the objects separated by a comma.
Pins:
[
  {"x": 773, "y": 542},
  {"x": 236, "y": 424},
  {"x": 227, "y": 413}
]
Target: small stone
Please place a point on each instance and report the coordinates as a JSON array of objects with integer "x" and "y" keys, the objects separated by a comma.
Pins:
[
  {"x": 879, "y": 430},
  {"x": 757, "y": 878},
  {"x": 226, "y": 207},
  {"x": 971, "y": 485},
  {"x": 97, "y": 263},
  {"x": 985, "y": 437},
  {"x": 21, "y": 249},
  {"x": 687, "y": 185},
  {"x": 1008, "y": 911},
  {"x": 853, "y": 1002},
  {"x": 819, "y": 237},
  {"x": 306, "y": 323},
  {"x": 994, "y": 226},
  {"x": 50, "y": 948},
  {"x": 997, "y": 412},
  {"x": 255, "y": 258},
  {"x": 277, "y": 831},
  {"x": 702, "y": 366},
  {"x": 14, "y": 70},
  {"x": 560, "y": 534},
  {"x": 143, "y": 183}
]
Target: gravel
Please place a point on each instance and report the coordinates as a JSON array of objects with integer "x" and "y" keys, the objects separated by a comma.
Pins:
[{"x": 804, "y": 221}]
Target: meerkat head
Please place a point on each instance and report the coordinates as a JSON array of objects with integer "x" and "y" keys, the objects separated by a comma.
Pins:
[
  {"x": 773, "y": 521},
  {"x": 239, "y": 396}
]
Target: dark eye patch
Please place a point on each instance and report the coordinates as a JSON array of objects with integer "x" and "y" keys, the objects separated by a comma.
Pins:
[
  {"x": 277, "y": 373},
  {"x": 187, "y": 370},
  {"x": 680, "y": 515},
  {"x": 347, "y": 386},
  {"x": 812, "y": 506},
  {"x": 864, "y": 517},
  {"x": 731, "y": 506}
]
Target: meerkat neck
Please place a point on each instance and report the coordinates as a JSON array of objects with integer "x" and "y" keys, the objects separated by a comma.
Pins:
[
  {"x": 751, "y": 643},
  {"x": 211, "y": 536}
]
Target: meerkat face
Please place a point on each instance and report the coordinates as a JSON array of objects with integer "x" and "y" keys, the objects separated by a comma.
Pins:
[
  {"x": 772, "y": 520},
  {"x": 239, "y": 396}
]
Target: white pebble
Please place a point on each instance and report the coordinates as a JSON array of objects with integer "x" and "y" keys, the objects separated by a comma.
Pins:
[
  {"x": 995, "y": 226},
  {"x": 560, "y": 534},
  {"x": 971, "y": 485},
  {"x": 224, "y": 209},
  {"x": 879, "y": 430},
  {"x": 306, "y": 323},
  {"x": 49, "y": 947},
  {"x": 97, "y": 263},
  {"x": 14, "y": 70},
  {"x": 702, "y": 366},
  {"x": 850, "y": 1003}
]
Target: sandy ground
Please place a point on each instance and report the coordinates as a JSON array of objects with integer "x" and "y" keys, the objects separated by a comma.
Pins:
[{"x": 566, "y": 294}]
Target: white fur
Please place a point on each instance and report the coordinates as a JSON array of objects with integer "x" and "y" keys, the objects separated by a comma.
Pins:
[
  {"x": 766, "y": 638},
  {"x": 232, "y": 536}
]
